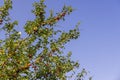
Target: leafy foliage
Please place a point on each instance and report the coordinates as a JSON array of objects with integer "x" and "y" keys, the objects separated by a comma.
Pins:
[{"x": 39, "y": 55}]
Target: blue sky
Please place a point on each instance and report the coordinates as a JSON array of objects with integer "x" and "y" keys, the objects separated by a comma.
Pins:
[{"x": 98, "y": 47}]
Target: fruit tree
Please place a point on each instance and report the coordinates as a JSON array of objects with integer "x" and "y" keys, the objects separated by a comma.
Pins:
[{"x": 39, "y": 55}]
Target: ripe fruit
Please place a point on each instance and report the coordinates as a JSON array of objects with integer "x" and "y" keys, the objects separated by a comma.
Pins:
[
  {"x": 57, "y": 18},
  {"x": 46, "y": 64},
  {"x": 63, "y": 14},
  {"x": 29, "y": 64},
  {"x": 30, "y": 55},
  {"x": 1, "y": 21}
]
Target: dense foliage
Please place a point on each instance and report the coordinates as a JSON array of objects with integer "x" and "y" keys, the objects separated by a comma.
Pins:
[{"x": 39, "y": 55}]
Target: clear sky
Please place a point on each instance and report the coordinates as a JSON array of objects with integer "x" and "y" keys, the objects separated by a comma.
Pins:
[{"x": 98, "y": 47}]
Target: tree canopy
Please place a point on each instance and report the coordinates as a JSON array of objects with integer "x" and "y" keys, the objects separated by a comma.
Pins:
[{"x": 39, "y": 55}]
